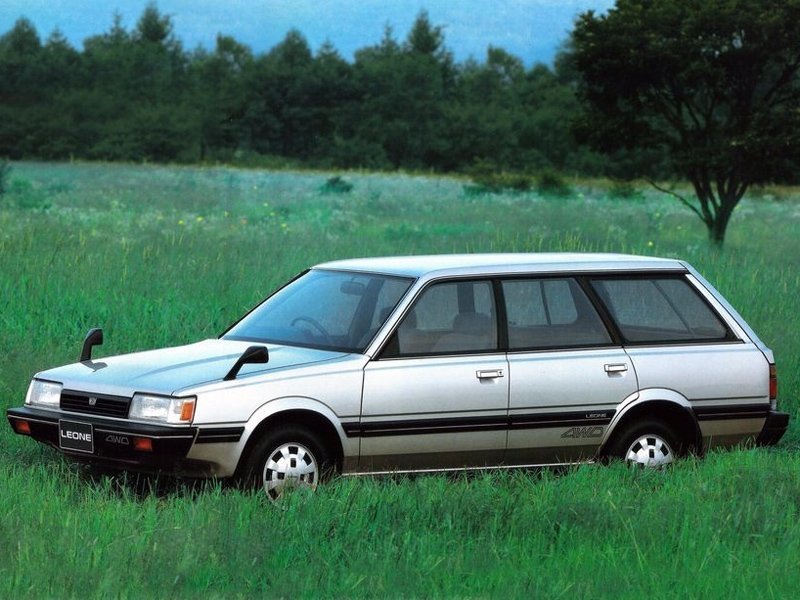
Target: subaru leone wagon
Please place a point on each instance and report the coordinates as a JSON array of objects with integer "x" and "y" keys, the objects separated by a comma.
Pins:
[{"x": 426, "y": 363}]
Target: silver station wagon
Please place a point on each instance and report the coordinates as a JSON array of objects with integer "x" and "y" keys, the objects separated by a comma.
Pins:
[{"x": 428, "y": 363}]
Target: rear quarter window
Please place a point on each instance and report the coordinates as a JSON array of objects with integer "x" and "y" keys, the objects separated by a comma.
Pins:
[{"x": 660, "y": 309}]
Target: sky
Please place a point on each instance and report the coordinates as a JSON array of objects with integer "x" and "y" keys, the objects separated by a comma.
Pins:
[{"x": 529, "y": 29}]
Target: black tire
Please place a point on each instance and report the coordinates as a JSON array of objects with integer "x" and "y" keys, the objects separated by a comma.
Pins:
[
  {"x": 286, "y": 454},
  {"x": 651, "y": 444}
]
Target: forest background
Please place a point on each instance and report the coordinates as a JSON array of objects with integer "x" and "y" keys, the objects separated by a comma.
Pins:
[{"x": 138, "y": 95}]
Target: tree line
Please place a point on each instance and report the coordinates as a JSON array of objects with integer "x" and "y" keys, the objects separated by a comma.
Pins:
[
  {"x": 701, "y": 90},
  {"x": 139, "y": 95}
]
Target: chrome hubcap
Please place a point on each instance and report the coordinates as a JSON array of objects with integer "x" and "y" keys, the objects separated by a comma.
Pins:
[
  {"x": 650, "y": 451},
  {"x": 289, "y": 466}
]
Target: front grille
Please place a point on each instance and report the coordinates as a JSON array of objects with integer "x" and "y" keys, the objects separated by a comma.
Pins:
[{"x": 95, "y": 404}]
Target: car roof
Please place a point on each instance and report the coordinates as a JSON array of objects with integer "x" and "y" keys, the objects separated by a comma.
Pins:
[{"x": 509, "y": 263}]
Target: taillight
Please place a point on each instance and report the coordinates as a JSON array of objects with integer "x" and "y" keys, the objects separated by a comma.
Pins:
[{"x": 773, "y": 382}]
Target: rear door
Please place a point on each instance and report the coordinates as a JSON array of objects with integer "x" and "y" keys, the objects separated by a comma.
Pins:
[
  {"x": 567, "y": 375},
  {"x": 677, "y": 340},
  {"x": 437, "y": 395}
]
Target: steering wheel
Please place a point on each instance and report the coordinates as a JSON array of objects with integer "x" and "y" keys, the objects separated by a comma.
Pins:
[{"x": 314, "y": 323}]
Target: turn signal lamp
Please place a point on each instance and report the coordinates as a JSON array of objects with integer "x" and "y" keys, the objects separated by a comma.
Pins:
[
  {"x": 22, "y": 427},
  {"x": 187, "y": 411},
  {"x": 143, "y": 444}
]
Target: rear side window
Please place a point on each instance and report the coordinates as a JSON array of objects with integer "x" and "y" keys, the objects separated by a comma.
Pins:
[
  {"x": 551, "y": 313},
  {"x": 660, "y": 310}
]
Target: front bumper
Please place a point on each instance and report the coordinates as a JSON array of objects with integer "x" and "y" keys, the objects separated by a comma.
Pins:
[
  {"x": 774, "y": 428},
  {"x": 117, "y": 444}
]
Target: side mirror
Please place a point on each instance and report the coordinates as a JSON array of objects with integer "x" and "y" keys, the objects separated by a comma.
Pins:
[
  {"x": 253, "y": 355},
  {"x": 93, "y": 338}
]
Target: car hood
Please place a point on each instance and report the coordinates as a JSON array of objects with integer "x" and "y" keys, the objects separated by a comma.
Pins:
[{"x": 168, "y": 370}]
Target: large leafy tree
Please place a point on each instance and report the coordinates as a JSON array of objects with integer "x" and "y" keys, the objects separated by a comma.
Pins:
[{"x": 713, "y": 82}]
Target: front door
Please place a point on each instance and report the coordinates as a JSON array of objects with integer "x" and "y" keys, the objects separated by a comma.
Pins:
[{"x": 437, "y": 396}]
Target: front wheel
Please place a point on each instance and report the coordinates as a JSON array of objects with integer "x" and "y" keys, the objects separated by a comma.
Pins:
[
  {"x": 288, "y": 457},
  {"x": 649, "y": 444}
]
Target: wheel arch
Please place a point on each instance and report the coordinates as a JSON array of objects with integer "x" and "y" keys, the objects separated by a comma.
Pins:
[
  {"x": 667, "y": 406},
  {"x": 305, "y": 412}
]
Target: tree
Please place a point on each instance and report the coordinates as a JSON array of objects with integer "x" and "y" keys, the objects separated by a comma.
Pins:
[
  {"x": 20, "y": 88},
  {"x": 405, "y": 89},
  {"x": 713, "y": 82},
  {"x": 134, "y": 104},
  {"x": 545, "y": 130},
  {"x": 276, "y": 117},
  {"x": 20, "y": 50},
  {"x": 484, "y": 120},
  {"x": 220, "y": 95},
  {"x": 158, "y": 62}
]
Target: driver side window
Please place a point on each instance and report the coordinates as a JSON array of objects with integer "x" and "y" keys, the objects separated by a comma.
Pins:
[{"x": 454, "y": 317}]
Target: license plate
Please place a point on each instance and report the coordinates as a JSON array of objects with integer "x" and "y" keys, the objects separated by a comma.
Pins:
[{"x": 78, "y": 437}]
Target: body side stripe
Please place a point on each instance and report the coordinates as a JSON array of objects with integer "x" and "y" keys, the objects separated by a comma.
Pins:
[{"x": 475, "y": 424}]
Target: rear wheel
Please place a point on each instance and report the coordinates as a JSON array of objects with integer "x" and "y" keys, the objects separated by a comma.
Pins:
[
  {"x": 287, "y": 457},
  {"x": 649, "y": 444}
]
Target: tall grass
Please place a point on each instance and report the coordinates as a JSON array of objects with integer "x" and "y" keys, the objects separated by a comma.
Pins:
[
  {"x": 161, "y": 256},
  {"x": 725, "y": 527}
]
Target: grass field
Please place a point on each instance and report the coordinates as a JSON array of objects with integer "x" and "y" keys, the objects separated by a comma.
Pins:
[{"x": 163, "y": 256}]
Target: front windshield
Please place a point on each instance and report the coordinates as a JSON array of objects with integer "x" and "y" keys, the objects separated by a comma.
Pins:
[{"x": 332, "y": 310}]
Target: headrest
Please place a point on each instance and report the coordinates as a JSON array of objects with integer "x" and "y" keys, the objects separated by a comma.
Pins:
[{"x": 472, "y": 323}]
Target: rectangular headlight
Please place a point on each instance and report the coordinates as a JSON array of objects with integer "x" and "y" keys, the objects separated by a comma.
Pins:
[
  {"x": 43, "y": 393},
  {"x": 162, "y": 409}
]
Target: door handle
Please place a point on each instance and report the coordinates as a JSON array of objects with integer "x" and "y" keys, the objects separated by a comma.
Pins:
[
  {"x": 618, "y": 368},
  {"x": 489, "y": 374}
]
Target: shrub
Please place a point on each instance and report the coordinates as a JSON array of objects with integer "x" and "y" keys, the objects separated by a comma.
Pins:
[
  {"x": 487, "y": 179},
  {"x": 23, "y": 194},
  {"x": 623, "y": 189},
  {"x": 551, "y": 183},
  {"x": 336, "y": 185},
  {"x": 5, "y": 170}
]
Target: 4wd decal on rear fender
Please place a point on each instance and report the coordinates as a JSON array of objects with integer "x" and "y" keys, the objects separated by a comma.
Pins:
[{"x": 583, "y": 432}]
